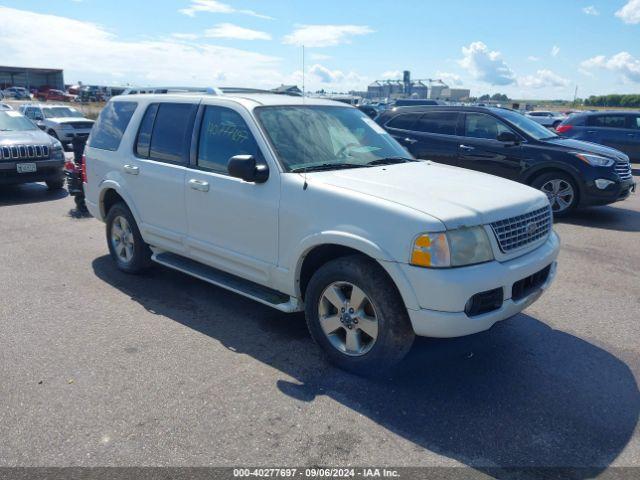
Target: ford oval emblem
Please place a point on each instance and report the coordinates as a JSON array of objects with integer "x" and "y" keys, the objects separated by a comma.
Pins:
[{"x": 531, "y": 228}]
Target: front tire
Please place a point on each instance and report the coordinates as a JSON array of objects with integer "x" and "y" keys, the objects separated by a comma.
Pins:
[
  {"x": 561, "y": 191},
  {"x": 126, "y": 246},
  {"x": 356, "y": 315}
]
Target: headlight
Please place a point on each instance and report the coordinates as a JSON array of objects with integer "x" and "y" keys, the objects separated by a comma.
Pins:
[
  {"x": 594, "y": 160},
  {"x": 58, "y": 151},
  {"x": 454, "y": 248}
]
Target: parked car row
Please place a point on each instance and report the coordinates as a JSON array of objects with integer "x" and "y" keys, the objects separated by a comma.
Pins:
[{"x": 60, "y": 121}]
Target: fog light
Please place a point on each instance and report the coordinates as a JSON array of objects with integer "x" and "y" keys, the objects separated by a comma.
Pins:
[{"x": 603, "y": 183}]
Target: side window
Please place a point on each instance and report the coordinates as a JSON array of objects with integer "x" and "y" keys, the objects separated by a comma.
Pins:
[
  {"x": 404, "y": 122},
  {"x": 223, "y": 134},
  {"x": 635, "y": 122},
  {"x": 107, "y": 132},
  {"x": 144, "y": 133},
  {"x": 607, "y": 121},
  {"x": 171, "y": 135},
  {"x": 479, "y": 125},
  {"x": 443, "y": 123}
]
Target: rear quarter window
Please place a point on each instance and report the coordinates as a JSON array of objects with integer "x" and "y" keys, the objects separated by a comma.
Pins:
[
  {"x": 404, "y": 121},
  {"x": 108, "y": 130}
]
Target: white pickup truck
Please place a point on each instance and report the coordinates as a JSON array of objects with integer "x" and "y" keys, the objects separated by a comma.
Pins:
[{"x": 307, "y": 204}]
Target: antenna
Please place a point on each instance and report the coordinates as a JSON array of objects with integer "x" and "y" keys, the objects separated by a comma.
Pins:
[{"x": 304, "y": 94}]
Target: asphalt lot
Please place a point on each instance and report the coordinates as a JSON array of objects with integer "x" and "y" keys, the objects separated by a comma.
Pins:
[{"x": 99, "y": 368}]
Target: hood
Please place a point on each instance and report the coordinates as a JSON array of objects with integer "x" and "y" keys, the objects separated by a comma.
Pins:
[
  {"x": 25, "y": 137},
  {"x": 455, "y": 196},
  {"x": 69, "y": 119},
  {"x": 569, "y": 144}
]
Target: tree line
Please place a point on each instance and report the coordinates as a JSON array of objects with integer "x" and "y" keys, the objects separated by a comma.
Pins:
[{"x": 613, "y": 100}]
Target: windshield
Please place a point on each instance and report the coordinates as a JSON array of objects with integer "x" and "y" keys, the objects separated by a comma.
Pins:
[
  {"x": 60, "y": 112},
  {"x": 528, "y": 126},
  {"x": 14, "y": 121},
  {"x": 310, "y": 136}
]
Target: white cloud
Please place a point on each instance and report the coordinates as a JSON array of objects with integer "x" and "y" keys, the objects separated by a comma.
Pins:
[
  {"x": 532, "y": 58},
  {"x": 630, "y": 13},
  {"x": 449, "y": 78},
  {"x": 320, "y": 56},
  {"x": 590, "y": 10},
  {"x": 324, "y": 35},
  {"x": 391, "y": 75},
  {"x": 214, "y": 6},
  {"x": 229, "y": 30},
  {"x": 185, "y": 36},
  {"x": 542, "y": 79},
  {"x": 336, "y": 79},
  {"x": 106, "y": 59},
  {"x": 485, "y": 65},
  {"x": 622, "y": 63},
  {"x": 555, "y": 50}
]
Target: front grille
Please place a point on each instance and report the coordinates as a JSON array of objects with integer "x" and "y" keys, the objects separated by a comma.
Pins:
[
  {"x": 24, "y": 152},
  {"x": 81, "y": 124},
  {"x": 525, "y": 287},
  {"x": 517, "y": 232},
  {"x": 623, "y": 169}
]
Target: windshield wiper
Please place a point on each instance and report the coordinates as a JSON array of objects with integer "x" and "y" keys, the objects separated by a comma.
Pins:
[
  {"x": 326, "y": 166},
  {"x": 391, "y": 161}
]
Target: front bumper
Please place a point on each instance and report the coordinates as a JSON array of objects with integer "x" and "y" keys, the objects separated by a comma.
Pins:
[
  {"x": 442, "y": 294},
  {"x": 619, "y": 190},
  {"x": 45, "y": 170}
]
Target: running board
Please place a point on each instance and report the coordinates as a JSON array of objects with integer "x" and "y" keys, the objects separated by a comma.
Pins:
[{"x": 254, "y": 291}]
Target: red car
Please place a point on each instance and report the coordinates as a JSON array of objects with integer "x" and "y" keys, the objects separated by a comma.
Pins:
[{"x": 55, "y": 95}]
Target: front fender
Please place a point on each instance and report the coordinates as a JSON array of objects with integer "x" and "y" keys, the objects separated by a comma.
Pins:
[{"x": 363, "y": 245}]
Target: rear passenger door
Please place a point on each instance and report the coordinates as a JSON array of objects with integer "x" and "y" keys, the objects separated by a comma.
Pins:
[
  {"x": 429, "y": 136},
  {"x": 634, "y": 127},
  {"x": 481, "y": 150},
  {"x": 155, "y": 172},
  {"x": 233, "y": 225}
]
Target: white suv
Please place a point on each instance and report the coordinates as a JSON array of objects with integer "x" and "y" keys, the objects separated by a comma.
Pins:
[
  {"x": 306, "y": 204},
  {"x": 60, "y": 121}
]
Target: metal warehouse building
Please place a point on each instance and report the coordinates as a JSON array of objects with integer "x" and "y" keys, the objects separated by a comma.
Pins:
[{"x": 31, "y": 77}]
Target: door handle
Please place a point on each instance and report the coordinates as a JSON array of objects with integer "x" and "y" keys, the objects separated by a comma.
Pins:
[
  {"x": 631, "y": 134},
  {"x": 466, "y": 148},
  {"x": 591, "y": 131},
  {"x": 410, "y": 141},
  {"x": 131, "y": 169},
  {"x": 199, "y": 185}
]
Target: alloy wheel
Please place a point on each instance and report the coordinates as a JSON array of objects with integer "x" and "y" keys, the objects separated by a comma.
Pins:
[
  {"x": 122, "y": 239},
  {"x": 560, "y": 194},
  {"x": 348, "y": 318}
]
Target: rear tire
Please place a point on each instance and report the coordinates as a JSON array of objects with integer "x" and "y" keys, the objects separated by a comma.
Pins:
[
  {"x": 561, "y": 191},
  {"x": 365, "y": 335},
  {"x": 126, "y": 246}
]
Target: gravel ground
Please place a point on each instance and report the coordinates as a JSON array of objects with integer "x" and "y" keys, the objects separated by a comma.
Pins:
[{"x": 98, "y": 368}]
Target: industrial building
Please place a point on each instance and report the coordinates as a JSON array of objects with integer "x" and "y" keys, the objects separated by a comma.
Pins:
[
  {"x": 31, "y": 77},
  {"x": 428, "y": 88}
]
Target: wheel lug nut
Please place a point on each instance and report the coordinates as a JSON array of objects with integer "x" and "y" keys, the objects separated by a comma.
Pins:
[
  {"x": 349, "y": 327},
  {"x": 355, "y": 320},
  {"x": 351, "y": 310},
  {"x": 342, "y": 309}
]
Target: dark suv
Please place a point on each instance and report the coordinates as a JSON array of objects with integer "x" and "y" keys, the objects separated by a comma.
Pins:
[
  {"x": 620, "y": 130},
  {"x": 506, "y": 143},
  {"x": 28, "y": 154}
]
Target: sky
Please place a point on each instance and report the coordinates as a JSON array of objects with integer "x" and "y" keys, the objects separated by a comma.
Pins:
[{"x": 532, "y": 50}]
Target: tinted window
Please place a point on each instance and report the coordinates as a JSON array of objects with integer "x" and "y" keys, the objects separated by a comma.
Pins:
[
  {"x": 444, "y": 123},
  {"x": 478, "y": 125},
  {"x": 223, "y": 134},
  {"x": 607, "y": 121},
  {"x": 107, "y": 132},
  {"x": 635, "y": 122},
  {"x": 144, "y": 134},
  {"x": 171, "y": 136},
  {"x": 404, "y": 122}
]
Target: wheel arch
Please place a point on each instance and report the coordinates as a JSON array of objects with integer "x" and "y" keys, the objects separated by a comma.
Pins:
[
  {"x": 531, "y": 176},
  {"x": 110, "y": 194},
  {"x": 320, "y": 253}
]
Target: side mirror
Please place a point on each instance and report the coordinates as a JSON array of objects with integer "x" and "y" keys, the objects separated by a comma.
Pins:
[
  {"x": 41, "y": 125},
  {"x": 246, "y": 168},
  {"x": 507, "y": 137}
]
